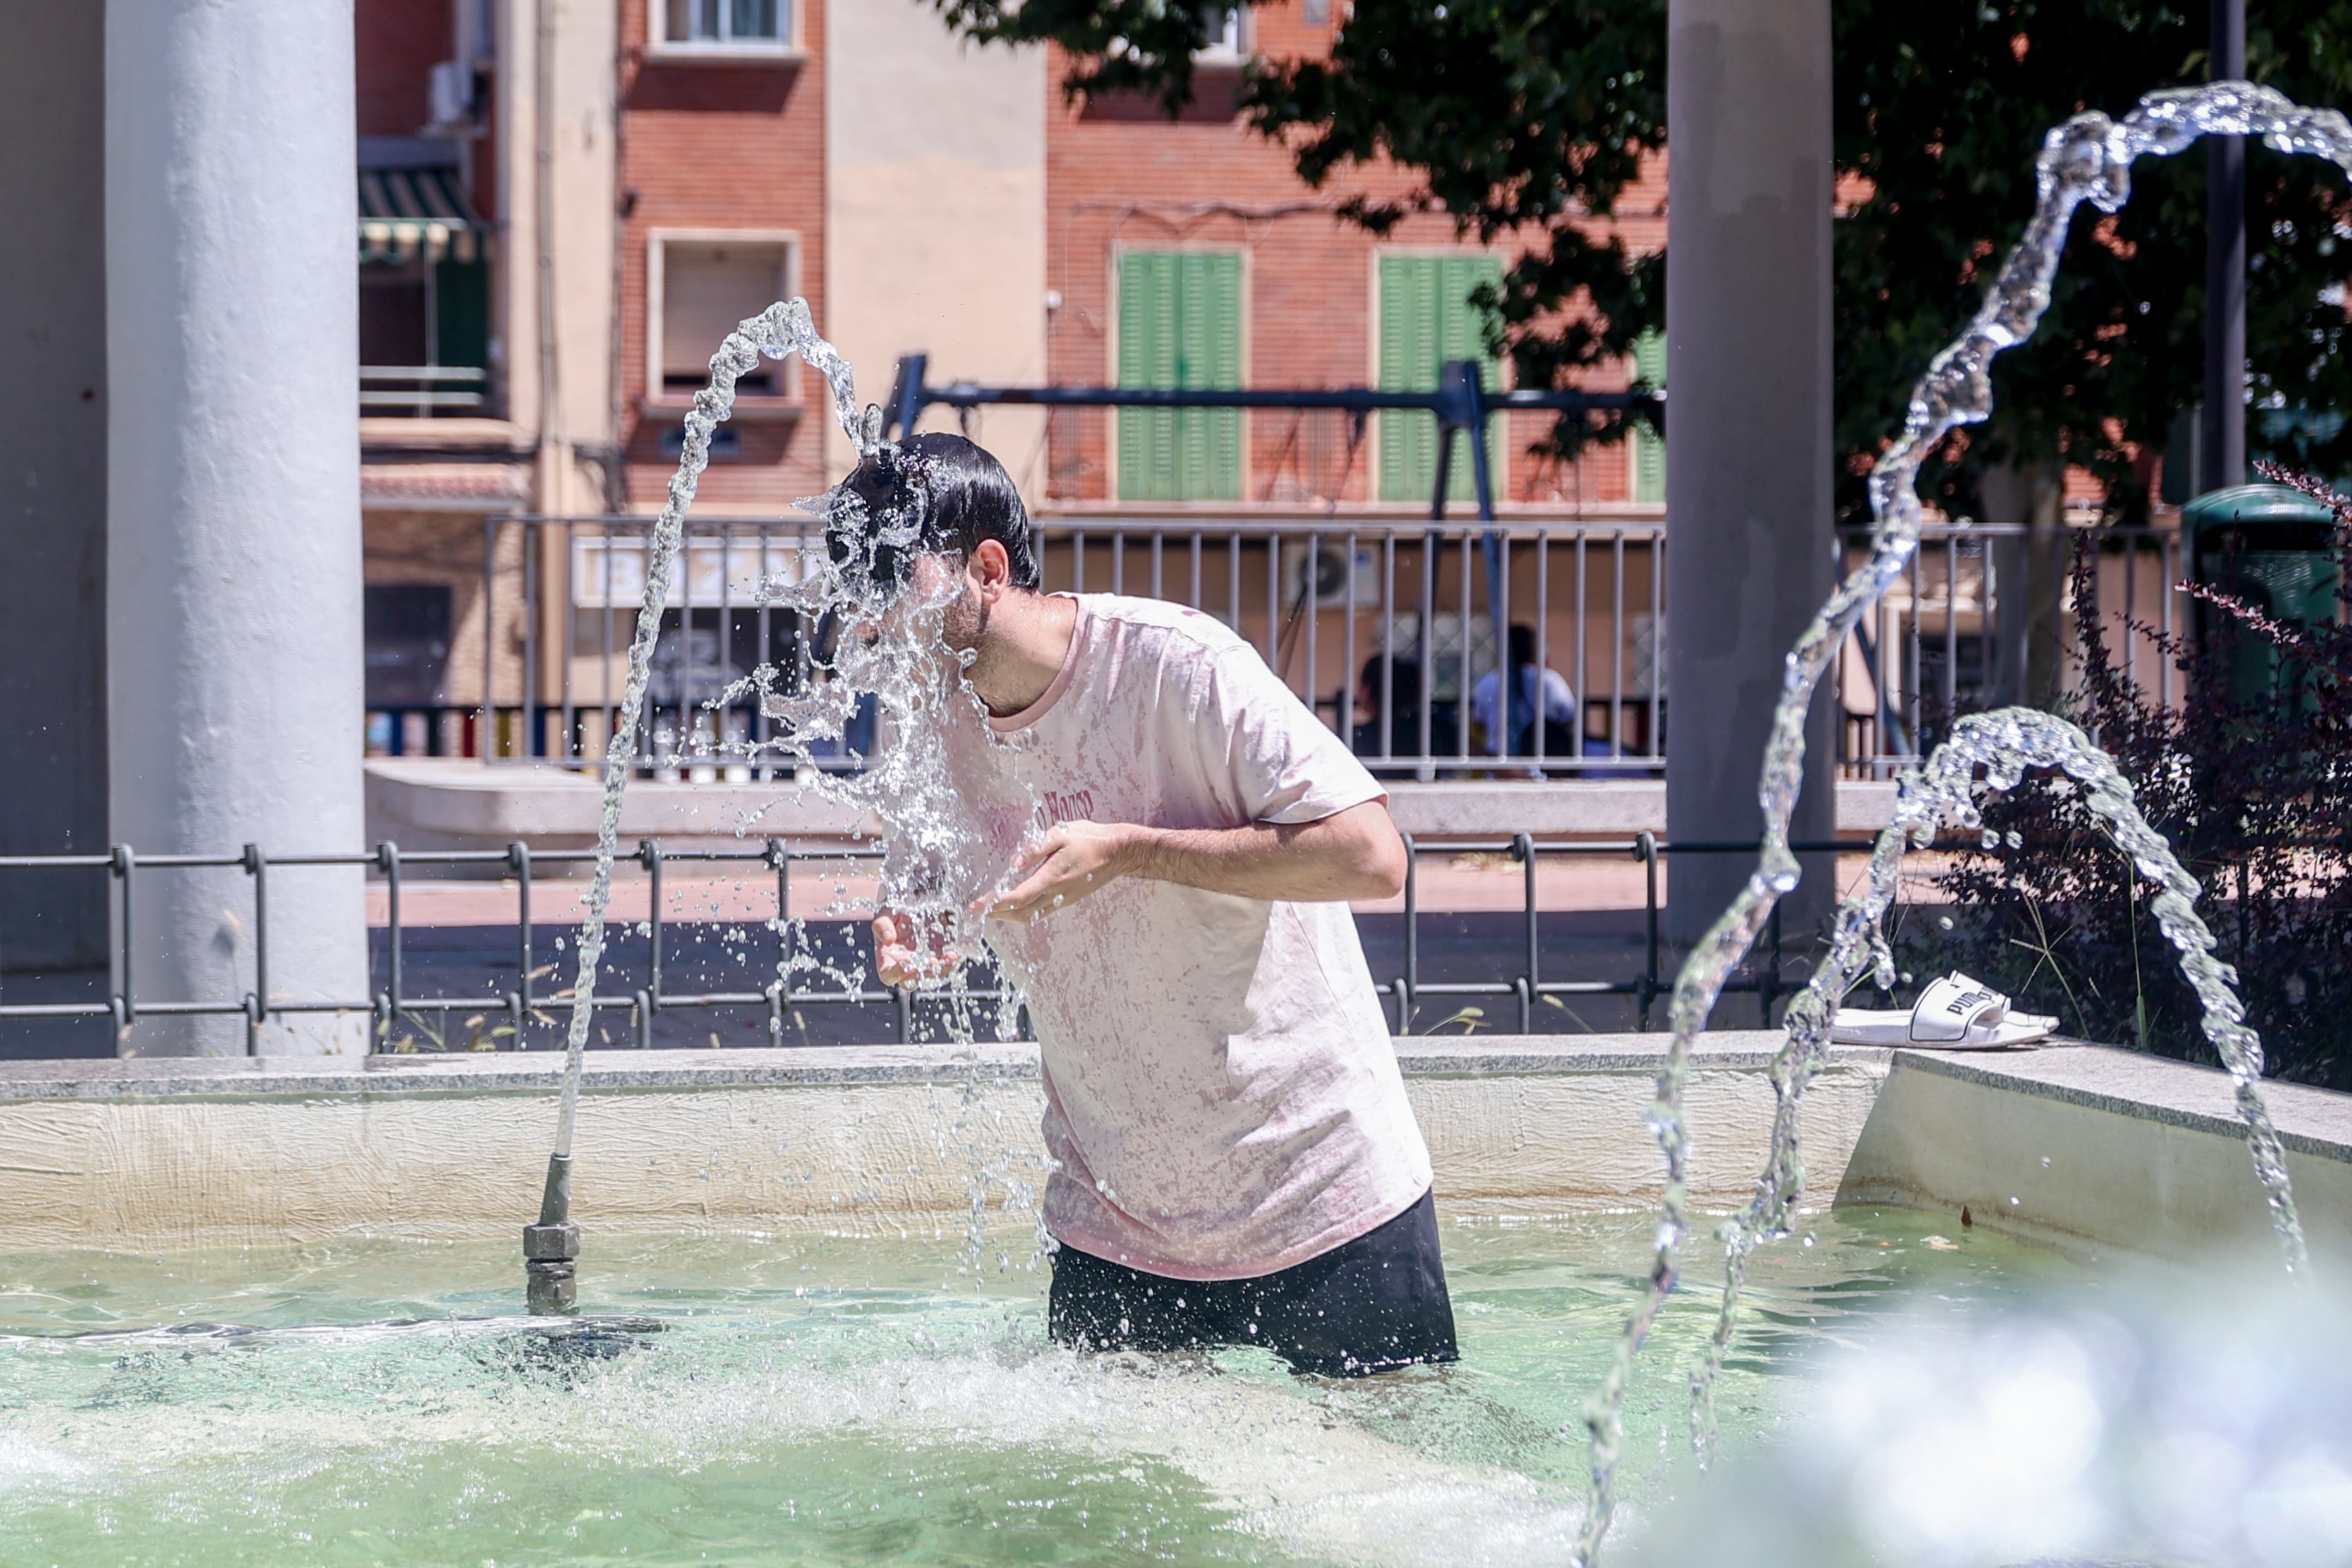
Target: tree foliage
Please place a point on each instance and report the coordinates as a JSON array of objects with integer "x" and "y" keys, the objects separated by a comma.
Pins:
[{"x": 1526, "y": 121}]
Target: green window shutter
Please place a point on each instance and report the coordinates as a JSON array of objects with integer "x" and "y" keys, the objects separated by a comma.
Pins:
[
  {"x": 1647, "y": 454},
  {"x": 1426, "y": 319},
  {"x": 462, "y": 301},
  {"x": 1179, "y": 325}
]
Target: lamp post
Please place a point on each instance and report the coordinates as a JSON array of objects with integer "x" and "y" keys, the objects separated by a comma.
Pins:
[{"x": 2223, "y": 446}]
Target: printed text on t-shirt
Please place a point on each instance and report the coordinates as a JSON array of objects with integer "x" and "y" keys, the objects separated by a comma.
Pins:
[{"x": 1058, "y": 806}]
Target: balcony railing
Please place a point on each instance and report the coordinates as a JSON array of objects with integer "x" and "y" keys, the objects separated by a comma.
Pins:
[
  {"x": 423, "y": 391},
  {"x": 1337, "y": 606},
  {"x": 1322, "y": 601}
]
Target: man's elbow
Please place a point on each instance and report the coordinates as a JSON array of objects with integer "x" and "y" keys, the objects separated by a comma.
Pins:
[{"x": 1380, "y": 858}]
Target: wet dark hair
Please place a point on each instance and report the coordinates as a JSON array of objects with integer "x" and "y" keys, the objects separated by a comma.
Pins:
[{"x": 934, "y": 494}]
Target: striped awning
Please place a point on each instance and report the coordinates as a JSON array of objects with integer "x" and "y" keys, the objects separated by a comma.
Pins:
[{"x": 405, "y": 213}]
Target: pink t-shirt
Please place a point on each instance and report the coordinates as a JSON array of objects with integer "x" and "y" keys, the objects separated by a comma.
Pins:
[{"x": 1221, "y": 1097}]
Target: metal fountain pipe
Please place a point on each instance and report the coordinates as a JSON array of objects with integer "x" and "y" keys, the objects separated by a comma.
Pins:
[{"x": 551, "y": 1248}]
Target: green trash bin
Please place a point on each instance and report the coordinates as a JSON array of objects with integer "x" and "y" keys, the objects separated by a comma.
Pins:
[{"x": 2272, "y": 547}]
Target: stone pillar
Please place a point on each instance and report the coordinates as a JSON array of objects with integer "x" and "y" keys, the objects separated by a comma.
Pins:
[
  {"x": 233, "y": 562},
  {"x": 1749, "y": 457},
  {"x": 2027, "y": 652},
  {"x": 53, "y": 490}
]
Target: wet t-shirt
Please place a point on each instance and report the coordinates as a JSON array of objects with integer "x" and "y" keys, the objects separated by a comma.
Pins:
[{"x": 1222, "y": 1097}]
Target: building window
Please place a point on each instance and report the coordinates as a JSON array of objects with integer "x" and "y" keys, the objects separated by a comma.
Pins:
[
  {"x": 406, "y": 628},
  {"x": 1426, "y": 319},
  {"x": 701, "y": 288},
  {"x": 764, "y": 26},
  {"x": 1646, "y": 454},
  {"x": 1224, "y": 38},
  {"x": 423, "y": 283},
  {"x": 1179, "y": 325}
]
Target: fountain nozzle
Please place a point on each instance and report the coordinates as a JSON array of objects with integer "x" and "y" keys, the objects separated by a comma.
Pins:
[{"x": 551, "y": 1247}]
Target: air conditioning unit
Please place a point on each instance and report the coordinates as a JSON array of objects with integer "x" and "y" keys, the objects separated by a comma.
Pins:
[{"x": 1332, "y": 575}]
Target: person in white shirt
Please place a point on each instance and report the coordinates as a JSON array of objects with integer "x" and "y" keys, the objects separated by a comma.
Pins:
[
  {"x": 1539, "y": 696},
  {"x": 1235, "y": 1157}
]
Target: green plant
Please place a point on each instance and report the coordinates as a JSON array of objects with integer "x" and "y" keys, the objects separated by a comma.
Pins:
[{"x": 2256, "y": 799}]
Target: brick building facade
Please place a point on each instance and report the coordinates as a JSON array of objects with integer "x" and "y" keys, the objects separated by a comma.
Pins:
[
  {"x": 721, "y": 213},
  {"x": 564, "y": 208},
  {"x": 1156, "y": 225}
]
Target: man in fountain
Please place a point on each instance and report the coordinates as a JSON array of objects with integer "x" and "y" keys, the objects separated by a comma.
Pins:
[{"x": 1235, "y": 1158}]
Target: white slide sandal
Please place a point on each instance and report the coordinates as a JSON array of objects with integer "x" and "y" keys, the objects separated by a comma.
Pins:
[{"x": 1954, "y": 1014}]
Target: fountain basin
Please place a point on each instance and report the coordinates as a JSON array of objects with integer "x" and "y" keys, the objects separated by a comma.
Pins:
[
  {"x": 264, "y": 1311},
  {"x": 2143, "y": 1155}
]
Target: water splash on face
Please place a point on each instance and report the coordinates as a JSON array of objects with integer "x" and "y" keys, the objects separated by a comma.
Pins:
[
  {"x": 2088, "y": 158},
  {"x": 903, "y": 628}
]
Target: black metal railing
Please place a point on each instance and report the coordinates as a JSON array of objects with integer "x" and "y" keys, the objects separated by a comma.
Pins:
[{"x": 641, "y": 984}]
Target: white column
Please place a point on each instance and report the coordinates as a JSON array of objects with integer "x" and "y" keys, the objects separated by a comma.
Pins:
[
  {"x": 233, "y": 560},
  {"x": 1747, "y": 427}
]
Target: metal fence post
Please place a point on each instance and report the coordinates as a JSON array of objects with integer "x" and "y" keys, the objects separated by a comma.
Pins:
[
  {"x": 1645, "y": 850},
  {"x": 649, "y": 855},
  {"x": 257, "y": 1001},
  {"x": 780, "y": 855},
  {"x": 387, "y": 856},
  {"x": 518, "y": 860},
  {"x": 1411, "y": 933},
  {"x": 1524, "y": 848},
  {"x": 124, "y": 862}
]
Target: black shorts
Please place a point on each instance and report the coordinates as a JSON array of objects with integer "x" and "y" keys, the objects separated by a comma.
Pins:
[{"x": 1367, "y": 1305}]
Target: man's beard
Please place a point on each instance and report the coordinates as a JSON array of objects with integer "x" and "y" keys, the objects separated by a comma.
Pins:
[{"x": 964, "y": 625}]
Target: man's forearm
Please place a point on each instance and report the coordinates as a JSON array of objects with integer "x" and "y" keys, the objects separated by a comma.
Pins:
[{"x": 1355, "y": 854}]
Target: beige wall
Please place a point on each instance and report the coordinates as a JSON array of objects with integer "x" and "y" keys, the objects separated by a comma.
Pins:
[
  {"x": 935, "y": 156},
  {"x": 582, "y": 162}
]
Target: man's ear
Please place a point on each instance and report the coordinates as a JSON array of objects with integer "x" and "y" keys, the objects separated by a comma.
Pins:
[{"x": 990, "y": 567}]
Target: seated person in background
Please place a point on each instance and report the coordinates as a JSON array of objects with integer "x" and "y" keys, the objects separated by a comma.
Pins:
[
  {"x": 1403, "y": 675},
  {"x": 1538, "y": 694},
  {"x": 1403, "y": 696}
]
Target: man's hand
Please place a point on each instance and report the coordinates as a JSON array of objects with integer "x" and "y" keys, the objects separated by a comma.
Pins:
[
  {"x": 1072, "y": 859},
  {"x": 908, "y": 951}
]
